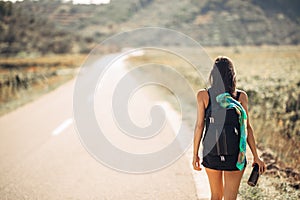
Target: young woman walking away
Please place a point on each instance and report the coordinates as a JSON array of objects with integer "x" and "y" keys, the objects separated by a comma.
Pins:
[{"x": 223, "y": 117}]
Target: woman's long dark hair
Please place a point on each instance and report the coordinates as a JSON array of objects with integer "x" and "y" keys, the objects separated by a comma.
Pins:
[{"x": 222, "y": 77}]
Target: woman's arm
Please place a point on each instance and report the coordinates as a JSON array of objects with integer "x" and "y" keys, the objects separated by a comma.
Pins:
[
  {"x": 199, "y": 127},
  {"x": 250, "y": 136}
]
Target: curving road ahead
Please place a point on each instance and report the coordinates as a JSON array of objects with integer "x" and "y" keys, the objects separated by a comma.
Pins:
[{"x": 42, "y": 158}]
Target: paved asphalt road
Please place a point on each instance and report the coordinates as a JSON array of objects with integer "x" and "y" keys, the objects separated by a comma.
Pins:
[{"x": 42, "y": 158}]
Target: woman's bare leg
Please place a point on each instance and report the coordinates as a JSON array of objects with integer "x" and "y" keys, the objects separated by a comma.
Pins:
[
  {"x": 232, "y": 180},
  {"x": 215, "y": 178}
]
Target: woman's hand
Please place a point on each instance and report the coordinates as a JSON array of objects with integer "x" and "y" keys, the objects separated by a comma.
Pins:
[
  {"x": 196, "y": 163},
  {"x": 261, "y": 164}
]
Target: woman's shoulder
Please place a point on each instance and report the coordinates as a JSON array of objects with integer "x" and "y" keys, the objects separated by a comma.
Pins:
[
  {"x": 202, "y": 96},
  {"x": 243, "y": 95},
  {"x": 202, "y": 93}
]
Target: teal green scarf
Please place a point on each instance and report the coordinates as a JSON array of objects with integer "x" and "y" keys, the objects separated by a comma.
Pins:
[{"x": 226, "y": 101}]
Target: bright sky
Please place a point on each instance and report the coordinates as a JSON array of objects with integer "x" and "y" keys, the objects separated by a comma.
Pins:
[{"x": 79, "y": 1}]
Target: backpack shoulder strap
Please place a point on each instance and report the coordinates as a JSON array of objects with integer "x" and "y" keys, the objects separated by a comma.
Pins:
[
  {"x": 209, "y": 101},
  {"x": 238, "y": 93}
]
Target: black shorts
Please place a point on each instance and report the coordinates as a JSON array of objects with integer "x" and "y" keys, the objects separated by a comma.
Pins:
[{"x": 226, "y": 163}]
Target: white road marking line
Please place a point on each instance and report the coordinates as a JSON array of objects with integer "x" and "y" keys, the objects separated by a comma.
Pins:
[{"x": 62, "y": 126}]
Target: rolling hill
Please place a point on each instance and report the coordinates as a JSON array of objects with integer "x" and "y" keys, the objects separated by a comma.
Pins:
[{"x": 48, "y": 26}]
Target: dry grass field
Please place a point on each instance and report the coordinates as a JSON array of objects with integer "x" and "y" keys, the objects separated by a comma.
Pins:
[{"x": 24, "y": 79}]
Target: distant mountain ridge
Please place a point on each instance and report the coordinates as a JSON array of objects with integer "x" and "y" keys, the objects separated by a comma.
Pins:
[{"x": 211, "y": 22}]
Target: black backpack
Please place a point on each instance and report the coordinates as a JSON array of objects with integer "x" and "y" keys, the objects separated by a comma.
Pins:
[{"x": 222, "y": 129}]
